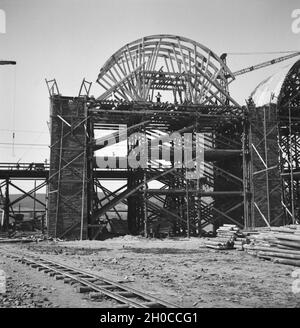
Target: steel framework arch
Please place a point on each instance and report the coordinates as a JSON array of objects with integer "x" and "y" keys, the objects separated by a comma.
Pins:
[
  {"x": 191, "y": 72},
  {"x": 290, "y": 90},
  {"x": 279, "y": 96}
]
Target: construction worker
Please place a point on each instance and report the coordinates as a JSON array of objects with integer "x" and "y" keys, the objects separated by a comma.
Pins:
[{"x": 158, "y": 96}]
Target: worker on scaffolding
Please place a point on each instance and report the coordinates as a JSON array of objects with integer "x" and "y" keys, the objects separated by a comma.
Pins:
[{"x": 158, "y": 97}]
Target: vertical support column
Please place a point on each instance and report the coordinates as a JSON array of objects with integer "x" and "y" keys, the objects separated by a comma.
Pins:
[
  {"x": 90, "y": 179},
  {"x": 291, "y": 165},
  {"x": 267, "y": 166},
  {"x": 6, "y": 207},
  {"x": 247, "y": 173},
  {"x": 198, "y": 200},
  {"x": 187, "y": 205},
  {"x": 145, "y": 206},
  {"x": 266, "y": 174},
  {"x": 67, "y": 214},
  {"x": 83, "y": 197},
  {"x": 34, "y": 200},
  {"x": 45, "y": 218}
]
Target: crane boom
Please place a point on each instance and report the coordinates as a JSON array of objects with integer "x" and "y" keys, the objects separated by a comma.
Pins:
[
  {"x": 265, "y": 64},
  {"x": 8, "y": 62}
]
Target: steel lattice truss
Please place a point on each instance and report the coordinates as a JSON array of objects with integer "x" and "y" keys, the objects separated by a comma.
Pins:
[
  {"x": 168, "y": 204},
  {"x": 289, "y": 140},
  {"x": 188, "y": 70},
  {"x": 290, "y": 90}
]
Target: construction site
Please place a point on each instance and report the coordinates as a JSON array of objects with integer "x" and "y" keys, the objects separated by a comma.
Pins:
[{"x": 162, "y": 190}]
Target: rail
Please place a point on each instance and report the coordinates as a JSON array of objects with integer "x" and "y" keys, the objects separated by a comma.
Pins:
[{"x": 87, "y": 282}]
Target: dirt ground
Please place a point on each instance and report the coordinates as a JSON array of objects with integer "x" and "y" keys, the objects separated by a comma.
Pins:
[{"x": 181, "y": 271}]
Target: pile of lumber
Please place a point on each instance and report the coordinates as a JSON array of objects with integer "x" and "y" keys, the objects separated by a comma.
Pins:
[
  {"x": 226, "y": 236},
  {"x": 240, "y": 242},
  {"x": 278, "y": 244},
  {"x": 15, "y": 240},
  {"x": 3, "y": 235}
]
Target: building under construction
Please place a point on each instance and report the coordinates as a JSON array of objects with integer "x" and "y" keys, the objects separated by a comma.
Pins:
[{"x": 153, "y": 88}]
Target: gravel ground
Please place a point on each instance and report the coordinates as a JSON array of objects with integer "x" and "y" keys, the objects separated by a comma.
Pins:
[{"x": 181, "y": 271}]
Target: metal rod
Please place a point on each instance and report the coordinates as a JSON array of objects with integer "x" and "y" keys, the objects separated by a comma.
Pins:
[
  {"x": 291, "y": 165},
  {"x": 187, "y": 205},
  {"x": 34, "y": 202},
  {"x": 199, "y": 208},
  {"x": 6, "y": 209},
  {"x": 145, "y": 207},
  {"x": 266, "y": 162},
  {"x": 59, "y": 178},
  {"x": 83, "y": 195}
]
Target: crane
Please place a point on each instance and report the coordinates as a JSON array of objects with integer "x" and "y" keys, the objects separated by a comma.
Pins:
[
  {"x": 265, "y": 64},
  {"x": 8, "y": 62}
]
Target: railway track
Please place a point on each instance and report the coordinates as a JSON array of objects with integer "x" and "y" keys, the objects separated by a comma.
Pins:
[{"x": 93, "y": 284}]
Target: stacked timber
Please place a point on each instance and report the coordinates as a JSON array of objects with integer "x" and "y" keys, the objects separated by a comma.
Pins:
[
  {"x": 226, "y": 236},
  {"x": 278, "y": 244},
  {"x": 3, "y": 235},
  {"x": 240, "y": 242}
]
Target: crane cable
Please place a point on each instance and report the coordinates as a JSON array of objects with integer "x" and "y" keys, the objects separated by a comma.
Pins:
[
  {"x": 261, "y": 53},
  {"x": 14, "y": 109}
]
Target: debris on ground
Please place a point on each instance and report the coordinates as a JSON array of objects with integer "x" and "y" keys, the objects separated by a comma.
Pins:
[{"x": 26, "y": 237}]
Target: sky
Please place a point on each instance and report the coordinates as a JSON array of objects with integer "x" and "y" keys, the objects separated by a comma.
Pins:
[{"x": 71, "y": 39}]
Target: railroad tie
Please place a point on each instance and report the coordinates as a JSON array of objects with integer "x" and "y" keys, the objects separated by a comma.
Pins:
[
  {"x": 41, "y": 268},
  {"x": 84, "y": 289},
  {"x": 74, "y": 282},
  {"x": 91, "y": 279},
  {"x": 122, "y": 306},
  {"x": 58, "y": 277},
  {"x": 108, "y": 286},
  {"x": 126, "y": 294},
  {"x": 96, "y": 295},
  {"x": 67, "y": 280},
  {"x": 152, "y": 304}
]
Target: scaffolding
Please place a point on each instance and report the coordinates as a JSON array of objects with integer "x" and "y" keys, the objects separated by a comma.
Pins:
[
  {"x": 165, "y": 95},
  {"x": 12, "y": 177},
  {"x": 247, "y": 179}
]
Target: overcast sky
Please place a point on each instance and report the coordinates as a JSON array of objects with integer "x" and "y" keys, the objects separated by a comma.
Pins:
[{"x": 71, "y": 39}]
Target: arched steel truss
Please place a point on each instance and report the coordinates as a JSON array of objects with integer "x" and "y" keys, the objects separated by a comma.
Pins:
[
  {"x": 189, "y": 70},
  {"x": 288, "y": 108}
]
